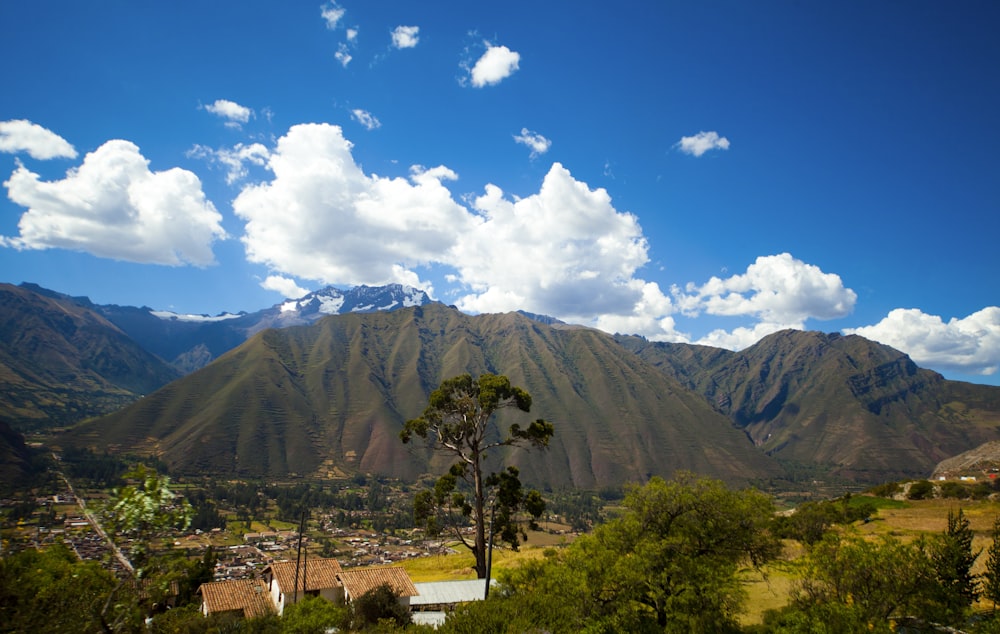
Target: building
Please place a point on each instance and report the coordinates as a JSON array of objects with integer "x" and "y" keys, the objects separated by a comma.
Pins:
[
  {"x": 247, "y": 597},
  {"x": 316, "y": 577},
  {"x": 358, "y": 581}
]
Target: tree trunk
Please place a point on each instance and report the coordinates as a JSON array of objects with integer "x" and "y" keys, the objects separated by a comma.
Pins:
[{"x": 480, "y": 521}]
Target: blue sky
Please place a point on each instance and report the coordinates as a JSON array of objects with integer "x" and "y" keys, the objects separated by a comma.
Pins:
[{"x": 706, "y": 172}]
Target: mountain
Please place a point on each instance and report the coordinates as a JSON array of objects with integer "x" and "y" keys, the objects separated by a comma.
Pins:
[
  {"x": 61, "y": 362},
  {"x": 15, "y": 458},
  {"x": 189, "y": 342},
  {"x": 331, "y": 398},
  {"x": 859, "y": 409}
]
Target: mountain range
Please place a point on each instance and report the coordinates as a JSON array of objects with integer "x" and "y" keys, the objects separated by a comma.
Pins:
[{"x": 316, "y": 388}]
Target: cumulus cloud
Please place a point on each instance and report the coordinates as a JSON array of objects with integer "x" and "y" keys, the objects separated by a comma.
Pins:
[
  {"x": 234, "y": 113},
  {"x": 405, "y": 36},
  {"x": 234, "y": 159},
  {"x": 21, "y": 135},
  {"x": 113, "y": 206},
  {"x": 702, "y": 142},
  {"x": 351, "y": 35},
  {"x": 495, "y": 65},
  {"x": 284, "y": 285},
  {"x": 536, "y": 142},
  {"x": 776, "y": 289},
  {"x": 332, "y": 13},
  {"x": 365, "y": 118},
  {"x": 564, "y": 251},
  {"x": 322, "y": 218},
  {"x": 970, "y": 345}
]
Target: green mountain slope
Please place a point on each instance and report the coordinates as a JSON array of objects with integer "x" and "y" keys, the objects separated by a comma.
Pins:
[
  {"x": 845, "y": 404},
  {"x": 61, "y": 362},
  {"x": 310, "y": 400}
]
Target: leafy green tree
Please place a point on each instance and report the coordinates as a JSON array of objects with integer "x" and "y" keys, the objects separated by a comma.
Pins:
[
  {"x": 52, "y": 591},
  {"x": 459, "y": 421},
  {"x": 991, "y": 577},
  {"x": 378, "y": 605},
  {"x": 669, "y": 563},
  {"x": 145, "y": 509},
  {"x": 952, "y": 559},
  {"x": 313, "y": 615},
  {"x": 878, "y": 579}
]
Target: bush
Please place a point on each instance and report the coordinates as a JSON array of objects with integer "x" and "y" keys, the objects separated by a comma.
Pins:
[
  {"x": 921, "y": 490},
  {"x": 376, "y": 605}
]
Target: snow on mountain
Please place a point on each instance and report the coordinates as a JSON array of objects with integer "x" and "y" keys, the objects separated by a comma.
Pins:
[{"x": 166, "y": 314}]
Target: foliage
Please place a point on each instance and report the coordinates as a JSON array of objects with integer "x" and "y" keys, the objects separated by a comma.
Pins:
[
  {"x": 812, "y": 520},
  {"x": 51, "y": 591},
  {"x": 878, "y": 578},
  {"x": 991, "y": 576},
  {"x": 378, "y": 605},
  {"x": 313, "y": 615},
  {"x": 952, "y": 558},
  {"x": 921, "y": 490},
  {"x": 458, "y": 421},
  {"x": 145, "y": 509},
  {"x": 670, "y": 563}
]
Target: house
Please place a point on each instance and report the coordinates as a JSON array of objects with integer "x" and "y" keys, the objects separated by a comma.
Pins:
[
  {"x": 358, "y": 581},
  {"x": 316, "y": 577},
  {"x": 248, "y": 597},
  {"x": 324, "y": 578}
]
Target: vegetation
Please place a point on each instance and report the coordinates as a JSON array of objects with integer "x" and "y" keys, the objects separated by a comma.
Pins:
[
  {"x": 670, "y": 562},
  {"x": 458, "y": 421}
]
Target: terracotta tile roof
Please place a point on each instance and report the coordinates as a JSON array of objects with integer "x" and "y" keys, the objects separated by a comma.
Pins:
[
  {"x": 319, "y": 574},
  {"x": 247, "y": 595},
  {"x": 358, "y": 581}
]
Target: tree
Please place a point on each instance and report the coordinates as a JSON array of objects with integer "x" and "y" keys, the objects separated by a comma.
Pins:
[
  {"x": 876, "y": 579},
  {"x": 459, "y": 420},
  {"x": 378, "y": 605},
  {"x": 670, "y": 562},
  {"x": 991, "y": 577},
  {"x": 952, "y": 558}
]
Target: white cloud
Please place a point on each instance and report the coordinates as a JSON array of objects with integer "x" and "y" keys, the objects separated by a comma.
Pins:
[
  {"x": 365, "y": 118},
  {"x": 284, "y": 285},
  {"x": 702, "y": 142},
  {"x": 332, "y": 13},
  {"x": 234, "y": 113},
  {"x": 776, "y": 289},
  {"x": 743, "y": 336},
  {"x": 234, "y": 159},
  {"x": 405, "y": 36},
  {"x": 970, "y": 345},
  {"x": 21, "y": 135},
  {"x": 351, "y": 35},
  {"x": 565, "y": 251},
  {"x": 495, "y": 65},
  {"x": 343, "y": 56},
  {"x": 113, "y": 206},
  {"x": 322, "y": 218},
  {"x": 538, "y": 144}
]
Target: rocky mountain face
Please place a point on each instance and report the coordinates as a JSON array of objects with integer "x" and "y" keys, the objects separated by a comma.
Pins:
[
  {"x": 858, "y": 408},
  {"x": 61, "y": 362},
  {"x": 330, "y": 395}
]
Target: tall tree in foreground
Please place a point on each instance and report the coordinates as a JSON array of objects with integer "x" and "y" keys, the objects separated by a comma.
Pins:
[
  {"x": 459, "y": 420},
  {"x": 952, "y": 558}
]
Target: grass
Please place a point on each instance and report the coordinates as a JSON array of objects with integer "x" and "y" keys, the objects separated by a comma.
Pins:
[{"x": 461, "y": 565}]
